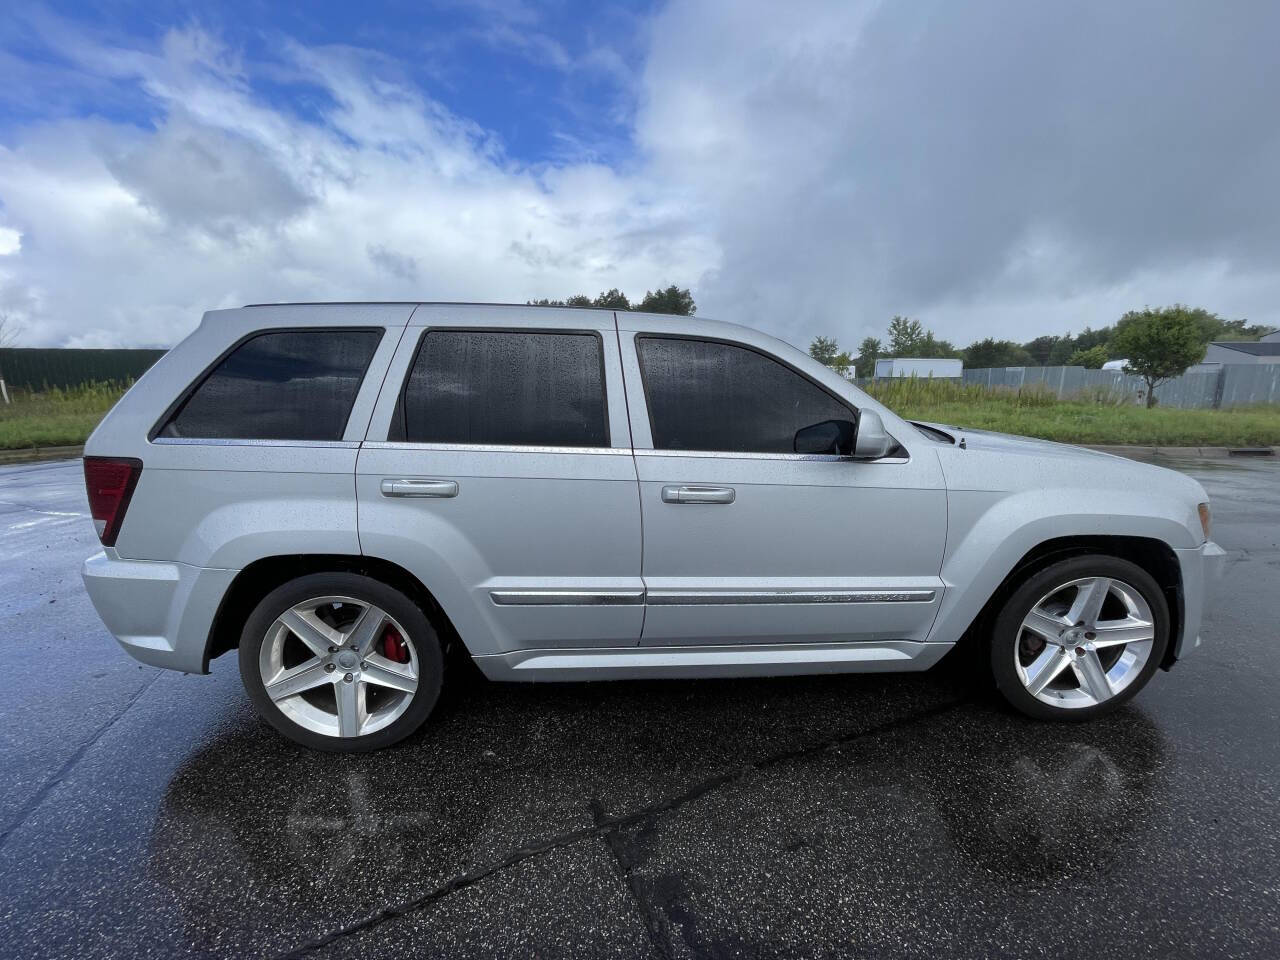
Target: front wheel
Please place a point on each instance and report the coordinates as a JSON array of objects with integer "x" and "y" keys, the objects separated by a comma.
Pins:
[
  {"x": 339, "y": 661},
  {"x": 1079, "y": 638}
]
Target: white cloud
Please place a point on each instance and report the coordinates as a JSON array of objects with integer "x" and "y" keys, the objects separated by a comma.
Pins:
[
  {"x": 10, "y": 241},
  {"x": 129, "y": 234},
  {"x": 999, "y": 168},
  {"x": 995, "y": 168}
]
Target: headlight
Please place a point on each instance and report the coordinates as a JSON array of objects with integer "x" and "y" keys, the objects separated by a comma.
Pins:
[{"x": 1206, "y": 522}]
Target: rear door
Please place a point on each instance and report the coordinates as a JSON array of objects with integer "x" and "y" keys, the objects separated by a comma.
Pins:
[
  {"x": 498, "y": 470},
  {"x": 746, "y": 541}
]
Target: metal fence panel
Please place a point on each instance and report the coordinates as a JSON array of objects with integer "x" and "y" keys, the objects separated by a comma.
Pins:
[
  {"x": 29, "y": 368},
  {"x": 1231, "y": 385}
]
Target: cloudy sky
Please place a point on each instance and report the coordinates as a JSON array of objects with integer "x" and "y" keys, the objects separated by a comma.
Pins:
[{"x": 995, "y": 169}]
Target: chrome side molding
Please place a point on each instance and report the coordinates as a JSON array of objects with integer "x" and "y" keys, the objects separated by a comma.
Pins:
[
  {"x": 572, "y": 598},
  {"x": 673, "y": 598}
]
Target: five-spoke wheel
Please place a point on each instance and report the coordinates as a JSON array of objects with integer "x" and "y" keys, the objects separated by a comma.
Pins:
[
  {"x": 341, "y": 662},
  {"x": 1079, "y": 637}
]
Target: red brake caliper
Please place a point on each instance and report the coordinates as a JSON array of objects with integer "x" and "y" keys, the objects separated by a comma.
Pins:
[{"x": 393, "y": 646}]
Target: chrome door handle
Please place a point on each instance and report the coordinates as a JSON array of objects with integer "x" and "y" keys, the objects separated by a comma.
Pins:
[
  {"x": 694, "y": 494},
  {"x": 419, "y": 488}
]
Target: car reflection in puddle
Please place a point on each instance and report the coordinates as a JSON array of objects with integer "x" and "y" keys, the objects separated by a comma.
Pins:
[
  {"x": 1048, "y": 802},
  {"x": 954, "y": 801}
]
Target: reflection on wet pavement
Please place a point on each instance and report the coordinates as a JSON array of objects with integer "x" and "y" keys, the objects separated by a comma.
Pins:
[{"x": 831, "y": 816}]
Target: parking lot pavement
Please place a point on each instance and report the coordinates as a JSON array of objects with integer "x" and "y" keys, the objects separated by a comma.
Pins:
[{"x": 145, "y": 813}]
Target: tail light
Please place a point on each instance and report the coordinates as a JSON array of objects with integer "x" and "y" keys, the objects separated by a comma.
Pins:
[{"x": 110, "y": 482}]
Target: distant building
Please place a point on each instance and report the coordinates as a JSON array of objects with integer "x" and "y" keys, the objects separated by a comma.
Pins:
[
  {"x": 924, "y": 367},
  {"x": 1272, "y": 337},
  {"x": 1115, "y": 364},
  {"x": 1266, "y": 350}
]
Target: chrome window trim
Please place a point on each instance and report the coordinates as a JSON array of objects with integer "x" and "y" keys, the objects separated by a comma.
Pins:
[
  {"x": 576, "y": 598},
  {"x": 229, "y": 442},
  {"x": 677, "y": 598},
  {"x": 491, "y": 448},
  {"x": 742, "y": 455}
]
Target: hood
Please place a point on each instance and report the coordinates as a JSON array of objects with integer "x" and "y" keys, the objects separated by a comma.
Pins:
[
  {"x": 981, "y": 459},
  {"x": 1009, "y": 443}
]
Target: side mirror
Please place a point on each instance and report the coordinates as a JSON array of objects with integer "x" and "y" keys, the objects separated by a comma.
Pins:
[
  {"x": 829, "y": 436},
  {"x": 872, "y": 441}
]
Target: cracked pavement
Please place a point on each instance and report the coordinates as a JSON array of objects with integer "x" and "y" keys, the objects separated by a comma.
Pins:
[{"x": 146, "y": 813}]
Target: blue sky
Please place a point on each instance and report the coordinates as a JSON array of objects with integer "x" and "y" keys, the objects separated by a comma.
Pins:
[
  {"x": 993, "y": 168},
  {"x": 551, "y": 80}
]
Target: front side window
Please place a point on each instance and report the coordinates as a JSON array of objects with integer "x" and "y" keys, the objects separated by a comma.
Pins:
[
  {"x": 283, "y": 385},
  {"x": 506, "y": 387},
  {"x": 707, "y": 395}
]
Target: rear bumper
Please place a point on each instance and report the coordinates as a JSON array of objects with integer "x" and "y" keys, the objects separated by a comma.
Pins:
[
  {"x": 1201, "y": 567},
  {"x": 159, "y": 612}
]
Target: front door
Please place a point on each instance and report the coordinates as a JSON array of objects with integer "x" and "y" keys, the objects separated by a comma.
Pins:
[{"x": 746, "y": 541}]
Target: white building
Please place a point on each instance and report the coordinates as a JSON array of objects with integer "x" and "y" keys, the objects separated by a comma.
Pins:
[{"x": 924, "y": 367}]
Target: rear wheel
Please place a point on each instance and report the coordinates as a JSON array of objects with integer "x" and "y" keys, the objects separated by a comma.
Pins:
[
  {"x": 1079, "y": 638},
  {"x": 339, "y": 661}
]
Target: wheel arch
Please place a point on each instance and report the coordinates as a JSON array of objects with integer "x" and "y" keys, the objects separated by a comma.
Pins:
[
  {"x": 262, "y": 576},
  {"x": 1153, "y": 555}
]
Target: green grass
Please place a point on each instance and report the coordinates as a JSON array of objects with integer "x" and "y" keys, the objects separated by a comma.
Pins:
[
  {"x": 1095, "y": 417},
  {"x": 56, "y": 418}
]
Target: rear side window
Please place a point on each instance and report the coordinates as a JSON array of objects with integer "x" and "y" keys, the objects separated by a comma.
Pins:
[
  {"x": 508, "y": 387},
  {"x": 284, "y": 385},
  {"x": 707, "y": 395}
]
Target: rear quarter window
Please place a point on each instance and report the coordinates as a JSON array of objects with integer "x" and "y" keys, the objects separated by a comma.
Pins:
[{"x": 279, "y": 385}]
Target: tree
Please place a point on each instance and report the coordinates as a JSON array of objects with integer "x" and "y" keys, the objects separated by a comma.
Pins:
[
  {"x": 672, "y": 299},
  {"x": 909, "y": 338},
  {"x": 869, "y": 351},
  {"x": 1093, "y": 358},
  {"x": 824, "y": 350},
  {"x": 828, "y": 353},
  {"x": 1063, "y": 348},
  {"x": 612, "y": 299},
  {"x": 1159, "y": 343},
  {"x": 1240, "y": 330},
  {"x": 1040, "y": 348},
  {"x": 905, "y": 336},
  {"x": 995, "y": 353}
]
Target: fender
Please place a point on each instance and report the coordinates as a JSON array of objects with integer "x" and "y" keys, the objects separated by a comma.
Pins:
[{"x": 989, "y": 533}]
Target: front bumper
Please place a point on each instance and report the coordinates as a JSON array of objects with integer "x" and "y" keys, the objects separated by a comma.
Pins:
[
  {"x": 159, "y": 612},
  {"x": 1201, "y": 567}
]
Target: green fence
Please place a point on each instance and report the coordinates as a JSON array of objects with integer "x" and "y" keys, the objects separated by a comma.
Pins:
[{"x": 27, "y": 368}]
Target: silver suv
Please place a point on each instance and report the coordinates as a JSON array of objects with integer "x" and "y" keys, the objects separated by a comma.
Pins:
[{"x": 340, "y": 490}]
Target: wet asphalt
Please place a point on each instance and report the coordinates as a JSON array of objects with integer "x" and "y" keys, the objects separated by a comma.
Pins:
[{"x": 146, "y": 813}]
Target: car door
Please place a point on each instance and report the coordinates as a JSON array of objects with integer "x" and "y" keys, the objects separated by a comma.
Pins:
[
  {"x": 746, "y": 541},
  {"x": 498, "y": 470}
]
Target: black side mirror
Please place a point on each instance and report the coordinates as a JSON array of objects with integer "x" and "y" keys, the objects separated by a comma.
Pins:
[{"x": 829, "y": 436}]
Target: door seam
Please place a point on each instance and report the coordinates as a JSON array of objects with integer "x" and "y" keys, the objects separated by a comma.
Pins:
[{"x": 626, "y": 406}]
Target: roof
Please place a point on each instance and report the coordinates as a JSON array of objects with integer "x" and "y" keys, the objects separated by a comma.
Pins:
[
  {"x": 1249, "y": 347},
  {"x": 464, "y": 303}
]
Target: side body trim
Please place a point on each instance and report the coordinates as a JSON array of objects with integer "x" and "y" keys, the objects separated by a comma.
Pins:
[
  {"x": 703, "y": 597},
  {"x": 572, "y": 598}
]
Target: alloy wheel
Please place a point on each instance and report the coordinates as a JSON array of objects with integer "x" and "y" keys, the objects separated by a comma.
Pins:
[
  {"x": 1084, "y": 642},
  {"x": 339, "y": 666}
]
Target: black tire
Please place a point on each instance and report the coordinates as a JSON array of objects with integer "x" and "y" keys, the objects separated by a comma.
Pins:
[
  {"x": 418, "y": 631},
  {"x": 1007, "y": 631}
]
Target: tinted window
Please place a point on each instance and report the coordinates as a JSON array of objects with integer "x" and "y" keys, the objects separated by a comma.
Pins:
[
  {"x": 717, "y": 396},
  {"x": 506, "y": 387},
  {"x": 291, "y": 385}
]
